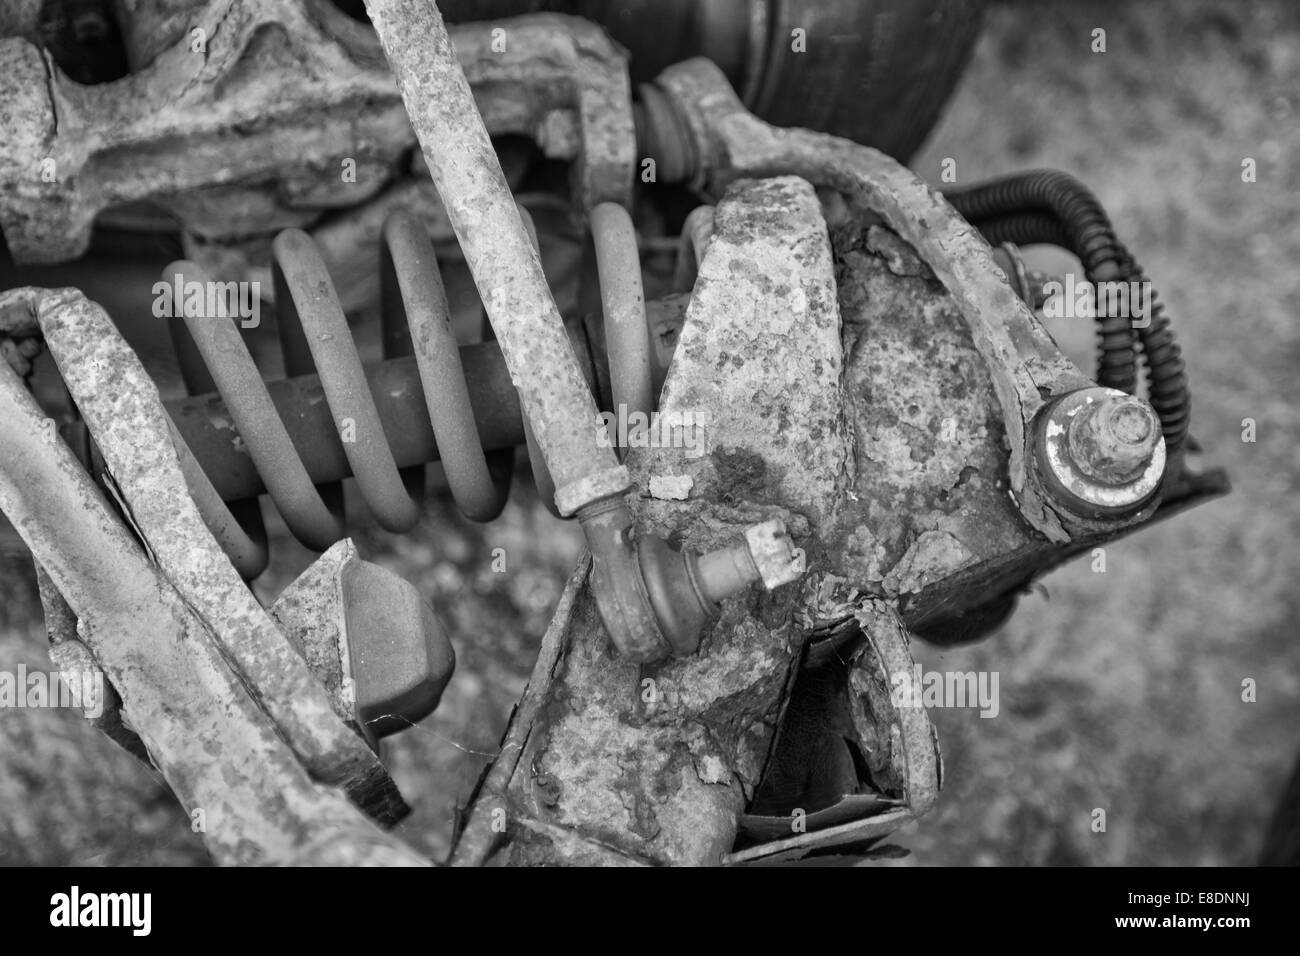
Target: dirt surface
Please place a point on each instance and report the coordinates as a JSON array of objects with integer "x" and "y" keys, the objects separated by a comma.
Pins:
[{"x": 1119, "y": 691}]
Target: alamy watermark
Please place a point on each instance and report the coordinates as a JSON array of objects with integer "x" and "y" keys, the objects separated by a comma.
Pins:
[
  {"x": 208, "y": 300},
  {"x": 946, "y": 689},
  {"x": 82, "y": 689},
  {"x": 133, "y": 911},
  {"x": 671, "y": 429},
  {"x": 1082, "y": 299}
]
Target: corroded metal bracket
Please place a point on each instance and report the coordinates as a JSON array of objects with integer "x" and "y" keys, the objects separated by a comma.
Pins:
[
  {"x": 241, "y": 124},
  {"x": 1027, "y": 368},
  {"x": 607, "y": 760}
]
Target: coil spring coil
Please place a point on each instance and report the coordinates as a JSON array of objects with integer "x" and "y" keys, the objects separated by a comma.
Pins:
[
  {"x": 416, "y": 320},
  {"x": 1054, "y": 207}
]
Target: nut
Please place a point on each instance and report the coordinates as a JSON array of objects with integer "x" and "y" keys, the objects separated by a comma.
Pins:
[
  {"x": 774, "y": 554},
  {"x": 1100, "y": 452}
]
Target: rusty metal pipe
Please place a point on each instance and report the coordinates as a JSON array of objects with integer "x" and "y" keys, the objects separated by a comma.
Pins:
[
  {"x": 623, "y": 300},
  {"x": 505, "y": 266}
]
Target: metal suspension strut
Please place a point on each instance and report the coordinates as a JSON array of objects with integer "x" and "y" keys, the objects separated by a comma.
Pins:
[
  {"x": 332, "y": 418},
  {"x": 359, "y": 436},
  {"x": 368, "y": 425}
]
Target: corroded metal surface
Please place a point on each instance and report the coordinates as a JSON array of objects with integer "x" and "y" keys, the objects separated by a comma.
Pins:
[
  {"x": 310, "y": 610},
  {"x": 623, "y": 307},
  {"x": 1027, "y": 369},
  {"x": 74, "y": 659},
  {"x": 759, "y": 360},
  {"x": 936, "y": 515},
  {"x": 122, "y": 407},
  {"x": 505, "y": 264},
  {"x": 202, "y": 727},
  {"x": 880, "y": 440},
  {"x": 608, "y": 762},
  {"x": 929, "y": 503},
  {"x": 248, "y": 134}
]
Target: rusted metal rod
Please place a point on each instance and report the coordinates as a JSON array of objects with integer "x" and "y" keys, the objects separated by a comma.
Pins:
[
  {"x": 504, "y": 263},
  {"x": 623, "y": 304}
]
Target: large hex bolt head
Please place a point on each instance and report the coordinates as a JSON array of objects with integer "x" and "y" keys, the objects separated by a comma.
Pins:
[{"x": 1100, "y": 452}]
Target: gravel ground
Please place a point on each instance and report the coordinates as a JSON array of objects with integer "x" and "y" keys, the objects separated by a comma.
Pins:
[{"x": 1118, "y": 690}]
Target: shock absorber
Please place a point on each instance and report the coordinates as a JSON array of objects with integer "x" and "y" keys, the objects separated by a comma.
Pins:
[
  {"x": 430, "y": 399},
  {"x": 295, "y": 448}
]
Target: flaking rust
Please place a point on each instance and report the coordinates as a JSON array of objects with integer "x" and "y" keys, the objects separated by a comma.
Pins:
[
  {"x": 930, "y": 497},
  {"x": 897, "y": 455},
  {"x": 1026, "y": 367},
  {"x": 871, "y": 387}
]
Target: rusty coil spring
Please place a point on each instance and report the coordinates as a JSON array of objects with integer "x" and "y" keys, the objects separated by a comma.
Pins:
[{"x": 416, "y": 321}]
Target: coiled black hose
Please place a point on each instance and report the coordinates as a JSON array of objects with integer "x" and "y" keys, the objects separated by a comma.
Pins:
[{"x": 1047, "y": 206}]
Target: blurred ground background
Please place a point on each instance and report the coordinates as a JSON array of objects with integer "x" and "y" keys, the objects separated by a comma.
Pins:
[{"x": 1119, "y": 691}]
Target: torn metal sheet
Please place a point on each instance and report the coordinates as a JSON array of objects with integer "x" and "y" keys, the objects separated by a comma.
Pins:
[{"x": 884, "y": 722}]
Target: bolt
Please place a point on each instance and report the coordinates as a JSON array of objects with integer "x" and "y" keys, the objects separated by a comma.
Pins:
[
  {"x": 1114, "y": 438},
  {"x": 766, "y": 555},
  {"x": 1101, "y": 451}
]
